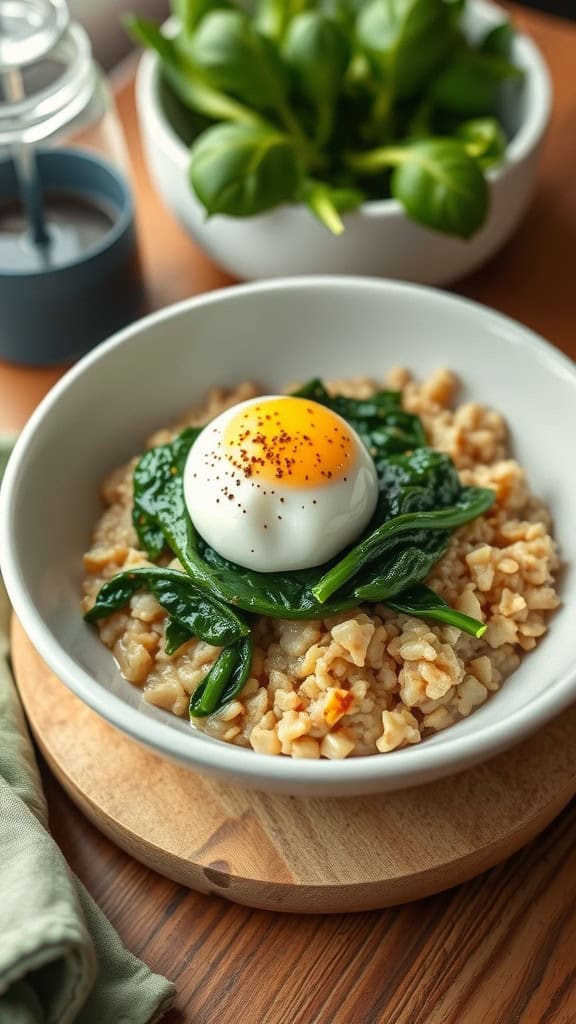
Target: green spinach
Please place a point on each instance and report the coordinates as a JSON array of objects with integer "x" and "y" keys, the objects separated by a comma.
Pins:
[
  {"x": 438, "y": 181},
  {"x": 317, "y": 52},
  {"x": 333, "y": 102},
  {"x": 224, "y": 680},
  {"x": 175, "y": 636},
  {"x": 421, "y": 501},
  {"x": 235, "y": 58},
  {"x": 405, "y": 40},
  {"x": 187, "y": 604},
  {"x": 474, "y": 501},
  {"x": 242, "y": 169},
  {"x": 422, "y": 602},
  {"x": 484, "y": 140}
]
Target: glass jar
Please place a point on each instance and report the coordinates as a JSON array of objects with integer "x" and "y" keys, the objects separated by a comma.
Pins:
[{"x": 69, "y": 269}]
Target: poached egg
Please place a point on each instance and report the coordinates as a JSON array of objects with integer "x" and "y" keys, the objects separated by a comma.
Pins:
[{"x": 279, "y": 483}]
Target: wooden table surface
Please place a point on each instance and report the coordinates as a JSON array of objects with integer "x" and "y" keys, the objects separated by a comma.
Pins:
[{"x": 498, "y": 950}]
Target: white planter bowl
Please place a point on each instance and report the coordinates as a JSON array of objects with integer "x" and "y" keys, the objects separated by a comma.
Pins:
[
  {"x": 103, "y": 409},
  {"x": 379, "y": 238}
]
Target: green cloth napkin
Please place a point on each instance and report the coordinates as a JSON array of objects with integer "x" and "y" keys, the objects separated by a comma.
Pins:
[{"x": 60, "y": 959}]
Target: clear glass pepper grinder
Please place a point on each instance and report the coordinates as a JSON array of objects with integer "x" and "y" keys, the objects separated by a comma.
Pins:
[{"x": 69, "y": 270}]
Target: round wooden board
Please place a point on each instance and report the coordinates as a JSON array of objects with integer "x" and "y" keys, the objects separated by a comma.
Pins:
[{"x": 281, "y": 853}]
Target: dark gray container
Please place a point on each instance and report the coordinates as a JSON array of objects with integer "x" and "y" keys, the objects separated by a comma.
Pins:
[{"x": 56, "y": 314}]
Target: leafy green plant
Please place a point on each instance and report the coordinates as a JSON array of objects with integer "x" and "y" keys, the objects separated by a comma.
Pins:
[
  {"x": 421, "y": 501},
  {"x": 333, "y": 102}
]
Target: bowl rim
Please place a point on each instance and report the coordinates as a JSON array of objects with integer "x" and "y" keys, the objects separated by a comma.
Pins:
[
  {"x": 521, "y": 146},
  {"x": 399, "y": 769}
]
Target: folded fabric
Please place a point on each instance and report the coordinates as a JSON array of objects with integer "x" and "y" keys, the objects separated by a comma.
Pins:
[{"x": 61, "y": 962}]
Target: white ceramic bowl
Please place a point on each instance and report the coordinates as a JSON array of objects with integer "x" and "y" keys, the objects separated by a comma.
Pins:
[
  {"x": 101, "y": 411},
  {"x": 379, "y": 238}
]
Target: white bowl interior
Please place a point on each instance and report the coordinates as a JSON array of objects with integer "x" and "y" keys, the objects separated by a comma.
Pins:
[{"x": 104, "y": 408}]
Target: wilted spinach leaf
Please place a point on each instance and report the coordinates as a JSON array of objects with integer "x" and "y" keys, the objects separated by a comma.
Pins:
[
  {"x": 189, "y": 605},
  {"x": 224, "y": 680},
  {"x": 421, "y": 501}
]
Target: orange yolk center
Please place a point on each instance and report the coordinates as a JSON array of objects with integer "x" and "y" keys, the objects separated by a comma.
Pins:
[{"x": 292, "y": 441}]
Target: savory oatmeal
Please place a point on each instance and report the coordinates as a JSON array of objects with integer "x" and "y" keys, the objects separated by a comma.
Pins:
[{"x": 368, "y": 680}]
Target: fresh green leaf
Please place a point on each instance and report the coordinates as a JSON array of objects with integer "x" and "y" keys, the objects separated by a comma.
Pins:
[
  {"x": 317, "y": 51},
  {"x": 323, "y": 83},
  {"x": 484, "y": 140},
  {"x": 345, "y": 12},
  {"x": 418, "y": 481},
  {"x": 421, "y": 120},
  {"x": 406, "y": 40},
  {"x": 188, "y": 85},
  {"x": 147, "y": 33},
  {"x": 469, "y": 84},
  {"x": 327, "y": 203},
  {"x": 224, "y": 680},
  {"x": 190, "y": 12},
  {"x": 272, "y": 17},
  {"x": 203, "y": 616},
  {"x": 424, "y": 603},
  {"x": 237, "y": 59},
  {"x": 456, "y": 9},
  {"x": 441, "y": 187},
  {"x": 243, "y": 170},
  {"x": 437, "y": 182},
  {"x": 499, "y": 40}
]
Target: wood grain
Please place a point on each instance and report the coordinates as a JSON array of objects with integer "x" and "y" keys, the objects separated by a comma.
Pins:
[
  {"x": 498, "y": 950},
  {"x": 280, "y": 853}
]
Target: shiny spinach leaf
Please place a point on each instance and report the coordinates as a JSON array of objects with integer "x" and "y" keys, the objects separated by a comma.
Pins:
[
  {"x": 175, "y": 636},
  {"x": 317, "y": 51},
  {"x": 189, "y": 605},
  {"x": 190, "y": 12},
  {"x": 327, "y": 202},
  {"x": 159, "y": 511},
  {"x": 224, "y": 680},
  {"x": 406, "y": 40},
  {"x": 242, "y": 170},
  {"x": 184, "y": 78},
  {"x": 469, "y": 85},
  {"x": 499, "y": 40},
  {"x": 472, "y": 502},
  {"x": 406, "y": 563},
  {"x": 441, "y": 187},
  {"x": 436, "y": 181},
  {"x": 484, "y": 140},
  {"x": 424, "y": 603},
  {"x": 235, "y": 58}
]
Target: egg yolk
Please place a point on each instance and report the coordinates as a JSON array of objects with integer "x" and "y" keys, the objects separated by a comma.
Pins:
[{"x": 290, "y": 440}]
